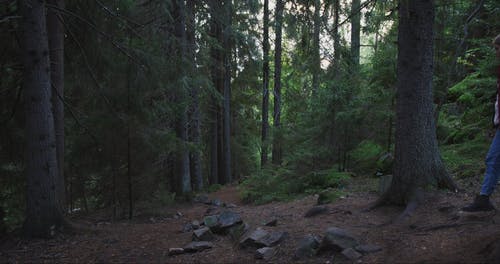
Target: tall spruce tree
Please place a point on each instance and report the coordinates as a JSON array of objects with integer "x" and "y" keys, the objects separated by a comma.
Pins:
[{"x": 43, "y": 210}]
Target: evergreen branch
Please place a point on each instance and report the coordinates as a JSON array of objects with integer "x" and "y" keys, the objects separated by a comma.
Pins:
[
  {"x": 13, "y": 111},
  {"x": 121, "y": 48},
  {"x": 69, "y": 108},
  {"x": 123, "y": 18},
  {"x": 7, "y": 18},
  {"x": 92, "y": 74}
]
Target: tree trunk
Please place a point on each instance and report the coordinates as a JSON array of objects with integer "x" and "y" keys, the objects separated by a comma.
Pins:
[
  {"x": 55, "y": 30},
  {"x": 277, "y": 83},
  {"x": 182, "y": 127},
  {"x": 316, "y": 55},
  {"x": 417, "y": 160},
  {"x": 195, "y": 94},
  {"x": 265, "y": 86},
  {"x": 355, "y": 33},
  {"x": 43, "y": 209},
  {"x": 336, "y": 37},
  {"x": 227, "y": 92},
  {"x": 217, "y": 75}
]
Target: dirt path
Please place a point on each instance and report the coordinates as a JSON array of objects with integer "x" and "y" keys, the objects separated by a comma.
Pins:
[{"x": 436, "y": 233}]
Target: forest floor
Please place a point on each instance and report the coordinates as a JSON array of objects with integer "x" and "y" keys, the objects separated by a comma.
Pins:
[{"x": 437, "y": 233}]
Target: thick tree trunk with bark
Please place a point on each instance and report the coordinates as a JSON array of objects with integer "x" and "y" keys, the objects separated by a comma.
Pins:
[
  {"x": 43, "y": 209},
  {"x": 182, "y": 123},
  {"x": 217, "y": 76},
  {"x": 55, "y": 30},
  {"x": 418, "y": 163},
  {"x": 227, "y": 92},
  {"x": 316, "y": 53},
  {"x": 265, "y": 86},
  {"x": 277, "y": 83},
  {"x": 355, "y": 32},
  {"x": 196, "y": 173}
]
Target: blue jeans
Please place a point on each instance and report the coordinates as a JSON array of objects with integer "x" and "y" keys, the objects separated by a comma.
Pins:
[{"x": 492, "y": 166}]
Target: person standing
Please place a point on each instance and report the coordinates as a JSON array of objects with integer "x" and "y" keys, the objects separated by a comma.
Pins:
[{"x": 491, "y": 176}]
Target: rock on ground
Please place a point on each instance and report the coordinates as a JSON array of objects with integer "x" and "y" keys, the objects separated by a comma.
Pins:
[
  {"x": 307, "y": 247},
  {"x": 338, "y": 239},
  {"x": 265, "y": 253}
]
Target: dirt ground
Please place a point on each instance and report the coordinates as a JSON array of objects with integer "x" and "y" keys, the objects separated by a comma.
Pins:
[{"x": 436, "y": 233}]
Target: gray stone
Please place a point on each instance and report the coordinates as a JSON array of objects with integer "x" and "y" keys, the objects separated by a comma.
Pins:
[
  {"x": 229, "y": 218},
  {"x": 187, "y": 228},
  {"x": 250, "y": 240},
  {"x": 203, "y": 234},
  {"x": 175, "y": 251},
  {"x": 212, "y": 211},
  {"x": 272, "y": 222},
  {"x": 307, "y": 247},
  {"x": 351, "y": 254},
  {"x": 217, "y": 202},
  {"x": 316, "y": 210},
  {"x": 265, "y": 253},
  {"x": 198, "y": 246},
  {"x": 231, "y": 205},
  {"x": 237, "y": 231},
  {"x": 195, "y": 224},
  {"x": 384, "y": 183},
  {"x": 202, "y": 198},
  {"x": 366, "y": 249},
  {"x": 272, "y": 239},
  {"x": 211, "y": 221},
  {"x": 338, "y": 239}
]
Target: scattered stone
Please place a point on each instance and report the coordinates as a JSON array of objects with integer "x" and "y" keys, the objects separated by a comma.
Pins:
[
  {"x": 187, "y": 228},
  {"x": 203, "y": 234},
  {"x": 175, "y": 251},
  {"x": 272, "y": 239},
  {"x": 237, "y": 231},
  {"x": 179, "y": 214},
  {"x": 366, "y": 249},
  {"x": 272, "y": 222},
  {"x": 384, "y": 183},
  {"x": 211, "y": 221},
  {"x": 217, "y": 202},
  {"x": 316, "y": 210},
  {"x": 195, "y": 224},
  {"x": 251, "y": 239},
  {"x": 385, "y": 163},
  {"x": 307, "y": 247},
  {"x": 228, "y": 219},
  {"x": 265, "y": 253},
  {"x": 202, "y": 198},
  {"x": 337, "y": 239},
  {"x": 198, "y": 246},
  {"x": 231, "y": 205},
  {"x": 212, "y": 211},
  {"x": 351, "y": 254}
]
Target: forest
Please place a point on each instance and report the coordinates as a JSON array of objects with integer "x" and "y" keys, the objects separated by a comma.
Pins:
[{"x": 128, "y": 127}]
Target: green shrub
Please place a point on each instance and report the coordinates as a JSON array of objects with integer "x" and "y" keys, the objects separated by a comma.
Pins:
[
  {"x": 365, "y": 156},
  {"x": 280, "y": 184},
  {"x": 214, "y": 187}
]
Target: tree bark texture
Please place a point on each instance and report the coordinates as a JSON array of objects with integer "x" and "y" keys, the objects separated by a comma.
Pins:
[
  {"x": 417, "y": 159},
  {"x": 355, "y": 32},
  {"x": 277, "y": 83},
  {"x": 265, "y": 86},
  {"x": 197, "y": 175},
  {"x": 55, "y": 30},
  {"x": 182, "y": 123},
  {"x": 316, "y": 53},
  {"x": 217, "y": 76},
  {"x": 43, "y": 209},
  {"x": 227, "y": 92}
]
